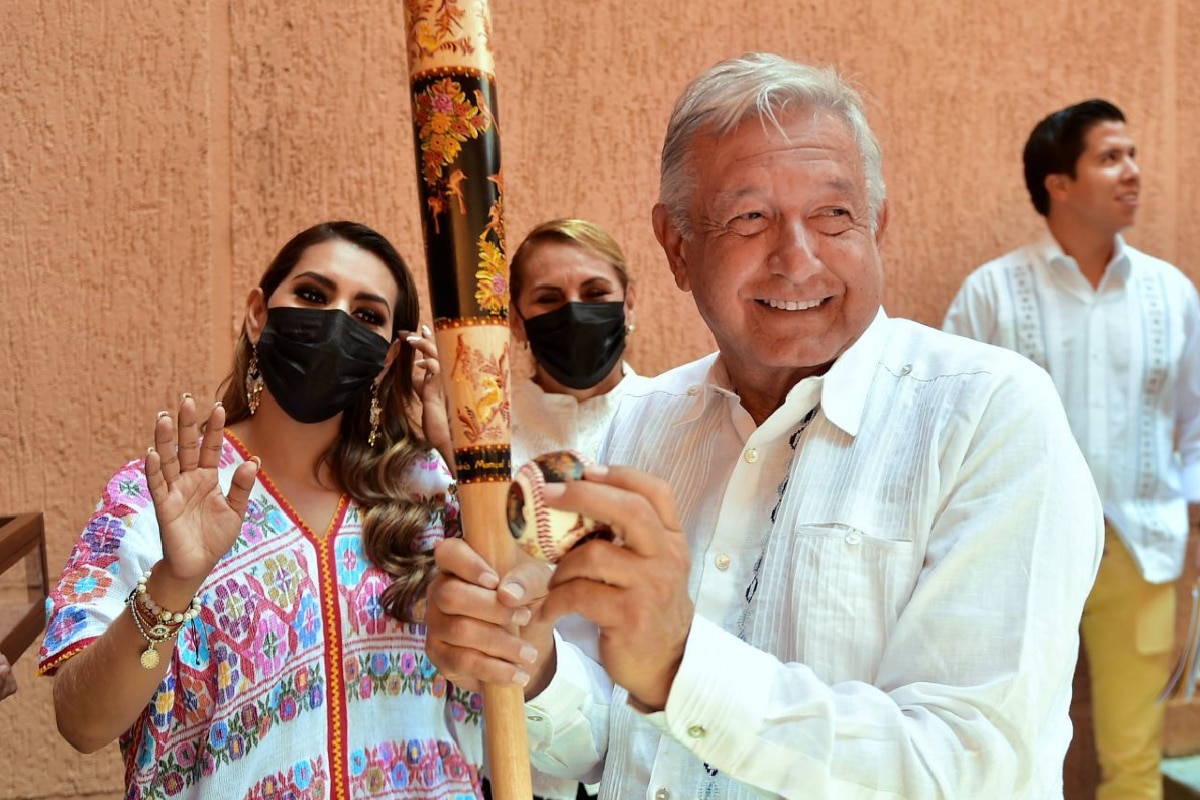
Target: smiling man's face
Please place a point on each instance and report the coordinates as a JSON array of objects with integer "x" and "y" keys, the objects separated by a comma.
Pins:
[
  {"x": 783, "y": 260},
  {"x": 1105, "y": 191}
]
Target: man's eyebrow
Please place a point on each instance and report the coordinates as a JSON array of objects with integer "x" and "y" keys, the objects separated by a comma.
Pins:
[
  {"x": 841, "y": 185},
  {"x": 729, "y": 195}
]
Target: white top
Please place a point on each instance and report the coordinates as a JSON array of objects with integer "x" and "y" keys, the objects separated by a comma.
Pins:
[
  {"x": 543, "y": 422},
  {"x": 914, "y": 631},
  {"x": 292, "y": 681},
  {"x": 1125, "y": 358}
]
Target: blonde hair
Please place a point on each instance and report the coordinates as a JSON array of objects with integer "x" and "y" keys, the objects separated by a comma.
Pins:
[{"x": 587, "y": 235}]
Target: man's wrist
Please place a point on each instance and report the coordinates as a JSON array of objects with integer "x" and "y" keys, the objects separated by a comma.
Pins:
[{"x": 539, "y": 681}]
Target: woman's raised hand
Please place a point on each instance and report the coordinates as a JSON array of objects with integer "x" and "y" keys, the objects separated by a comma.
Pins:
[{"x": 197, "y": 521}]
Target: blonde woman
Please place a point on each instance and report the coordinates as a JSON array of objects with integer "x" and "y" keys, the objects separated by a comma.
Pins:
[{"x": 573, "y": 305}]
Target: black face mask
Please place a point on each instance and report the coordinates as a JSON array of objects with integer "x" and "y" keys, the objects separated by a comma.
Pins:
[
  {"x": 315, "y": 363},
  {"x": 579, "y": 343}
]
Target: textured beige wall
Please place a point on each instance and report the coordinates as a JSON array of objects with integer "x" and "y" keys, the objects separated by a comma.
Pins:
[{"x": 153, "y": 156}]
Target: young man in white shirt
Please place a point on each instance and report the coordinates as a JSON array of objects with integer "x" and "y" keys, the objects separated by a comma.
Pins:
[
  {"x": 1119, "y": 333},
  {"x": 855, "y": 549}
]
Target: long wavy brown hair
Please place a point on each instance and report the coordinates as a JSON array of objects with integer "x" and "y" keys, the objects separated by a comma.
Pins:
[{"x": 375, "y": 477}]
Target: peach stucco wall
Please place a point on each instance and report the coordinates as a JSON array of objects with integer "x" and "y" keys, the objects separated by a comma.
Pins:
[{"x": 154, "y": 155}]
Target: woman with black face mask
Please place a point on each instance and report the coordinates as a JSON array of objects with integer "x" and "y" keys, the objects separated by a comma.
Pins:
[
  {"x": 243, "y": 610},
  {"x": 573, "y": 305}
]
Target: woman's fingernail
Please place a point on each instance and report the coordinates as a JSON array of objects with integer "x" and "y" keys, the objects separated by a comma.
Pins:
[
  {"x": 595, "y": 470},
  {"x": 425, "y": 330},
  {"x": 521, "y": 617},
  {"x": 420, "y": 362},
  {"x": 514, "y": 589},
  {"x": 218, "y": 404},
  {"x": 521, "y": 677},
  {"x": 185, "y": 396},
  {"x": 412, "y": 339},
  {"x": 528, "y": 654},
  {"x": 162, "y": 414},
  {"x": 257, "y": 461}
]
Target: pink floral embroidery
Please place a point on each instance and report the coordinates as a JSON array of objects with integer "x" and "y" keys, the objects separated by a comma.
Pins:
[
  {"x": 237, "y": 683},
  {"x": 307, "y": 778},
  {"x": 412, "y": 765},
  {"x": 273, "y": 645}
]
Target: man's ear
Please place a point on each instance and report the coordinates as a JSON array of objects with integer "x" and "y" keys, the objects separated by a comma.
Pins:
[
  {"x": 671, "y": 240},
  {"x": 1056, "y": 185},
  {"x": 881, "y": 223},
  {"x": 256, "y": 314}
]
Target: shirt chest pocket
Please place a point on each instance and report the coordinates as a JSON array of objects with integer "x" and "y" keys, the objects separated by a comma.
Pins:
[{"x": 833, "y": 592}]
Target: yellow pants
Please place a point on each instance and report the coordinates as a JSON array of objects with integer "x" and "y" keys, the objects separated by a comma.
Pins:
[{"x": 1128, "y": 630}]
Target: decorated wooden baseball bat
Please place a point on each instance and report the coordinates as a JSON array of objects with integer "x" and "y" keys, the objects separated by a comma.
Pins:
[{"x": 450, "y": 67}]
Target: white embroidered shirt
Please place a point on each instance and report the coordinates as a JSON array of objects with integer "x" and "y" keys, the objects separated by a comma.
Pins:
[
  {"x": 1125, "y": 358},
  {"x": 913, "y": 632}
]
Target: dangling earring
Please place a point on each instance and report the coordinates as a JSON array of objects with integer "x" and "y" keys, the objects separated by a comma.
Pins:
[
  {"x": 375, "y": 413},
  {"x": 254, "y": 381}
]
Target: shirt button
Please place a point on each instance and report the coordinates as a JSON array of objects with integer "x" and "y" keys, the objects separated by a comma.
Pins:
[
  {"x": 697, "y": 731},
  {"x": 693, "y": 391},
  {"x": 535, "y": 718},
  {"x": 751, "y": 455},
  {"x": 661, "y": 794},
  {"x": 723, "y": 561},
  {"x": 853, "y": 538},
  {"x": 907, "y": 368}
]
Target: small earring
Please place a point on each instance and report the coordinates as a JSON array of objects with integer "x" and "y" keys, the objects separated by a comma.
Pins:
[
  {"x": 254, "y": 381},
  {"x": 375, "y": 413},
  {"x": 630, "y": 328}
]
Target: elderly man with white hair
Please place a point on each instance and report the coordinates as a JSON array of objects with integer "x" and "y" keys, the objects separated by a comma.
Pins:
[{"x": 855, "y": 550}]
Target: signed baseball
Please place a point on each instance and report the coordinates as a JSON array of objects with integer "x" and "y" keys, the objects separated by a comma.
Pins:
[{"x": 543, "y": 532}]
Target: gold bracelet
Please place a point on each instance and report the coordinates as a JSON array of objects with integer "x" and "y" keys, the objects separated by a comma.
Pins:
[
  {"x": 159, "y": 625},
  {"x": 157, "y": 634}
]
